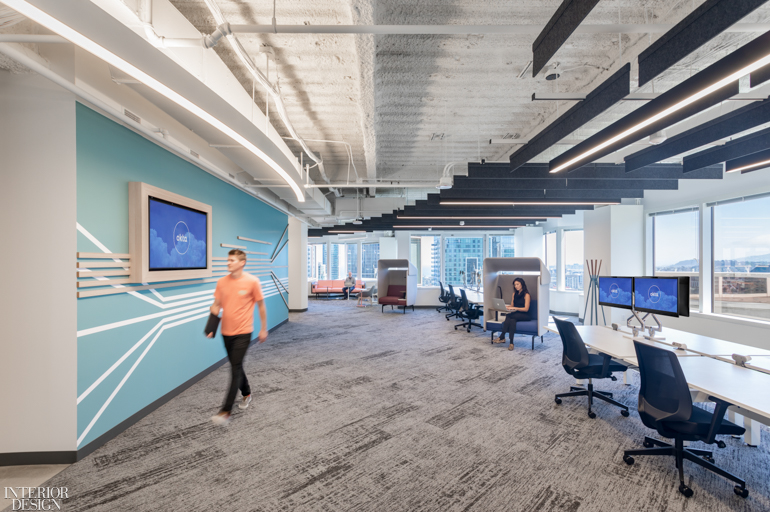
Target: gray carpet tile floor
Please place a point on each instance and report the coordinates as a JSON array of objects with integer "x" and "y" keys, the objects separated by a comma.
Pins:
[{"x": 363, "y": 411}]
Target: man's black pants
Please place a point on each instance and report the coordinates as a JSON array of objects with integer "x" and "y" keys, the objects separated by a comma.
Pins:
[{"x": 236, "y": 347}]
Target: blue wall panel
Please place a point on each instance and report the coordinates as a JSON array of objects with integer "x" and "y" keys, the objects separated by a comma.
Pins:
[{"x": 158, "y": 343}]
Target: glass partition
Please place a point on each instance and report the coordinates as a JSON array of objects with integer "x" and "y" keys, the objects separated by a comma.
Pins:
[{"x": 573, "y": 259}]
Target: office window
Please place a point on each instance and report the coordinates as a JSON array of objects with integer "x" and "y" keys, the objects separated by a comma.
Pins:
[
  {"x": 316, "y": 261},
  {"x": 344, "y": 259},
  {"x": 370, "y": 255},
  {"x": 352, "y": 256},
  {"x": 675, "y": 243},
  {"x": 462, "y": 258},
  {"x": 742, "y": 258},
  {"x": 425, "y": 254},
  {"x": 501, "y": 246},
  {"x": 573, "y": 259},
  {"x": 550, "y": 257}
]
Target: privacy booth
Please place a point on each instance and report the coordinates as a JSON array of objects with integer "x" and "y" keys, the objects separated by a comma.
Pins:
[
  {"x": 499, "y": 274},
  {"x": 397, "y": 283}
]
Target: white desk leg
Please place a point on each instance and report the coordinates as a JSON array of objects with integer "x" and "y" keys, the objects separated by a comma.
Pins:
[{"x": 752, "y": 435}]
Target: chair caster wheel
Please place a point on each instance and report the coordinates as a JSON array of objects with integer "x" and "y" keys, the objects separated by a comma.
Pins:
[
  {"x": 624, "y": 413},
  {"x": 455, "y": 328},
  {"x": 721, "y": 444},
  {"x": 708, "y": 458},
  {"x": 468, "y": 330},
  {"x": 592, "y": 415},
  {"x": 557, "y": 400},
  {"x": 685, "y": 490},
  {"x": 613, "y": 378},
  {"x": 742, "y": 492},
  {"x": 647, "y": 445},
  {"x": 628, "y": 459}
]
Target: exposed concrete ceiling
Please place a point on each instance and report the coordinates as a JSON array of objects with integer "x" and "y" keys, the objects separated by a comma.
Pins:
[{"x": 409, "y": 104}]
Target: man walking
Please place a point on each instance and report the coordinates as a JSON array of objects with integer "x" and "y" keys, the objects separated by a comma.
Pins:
[{"x": 236, "y": 293}]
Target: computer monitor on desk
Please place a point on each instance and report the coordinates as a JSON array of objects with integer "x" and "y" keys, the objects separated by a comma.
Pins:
[
  {"x": 667, "y": 296},
  {"x": 616, "y": 292}
]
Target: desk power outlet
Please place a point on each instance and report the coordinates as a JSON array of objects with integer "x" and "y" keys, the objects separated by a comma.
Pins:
[{"x": 679, "y": 346}]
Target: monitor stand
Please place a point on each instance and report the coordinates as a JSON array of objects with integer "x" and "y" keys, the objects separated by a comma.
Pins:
[
  {"x": 634, "y": 328},
  {"x": 652, "y": 330}
]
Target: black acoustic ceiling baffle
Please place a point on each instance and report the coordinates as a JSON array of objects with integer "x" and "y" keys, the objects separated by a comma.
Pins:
[
  {"x": 744, "y": 118},
  {"x": 608, "y": 93},
  {"x": 749, "y": 163},
  {"x": 737, "y": 148},
  {"x": 562, "y": 24},
  {"x": 595, "y": 171},
  {"x": 708, "y": 20},
  {"x": 725, "y": 67}
]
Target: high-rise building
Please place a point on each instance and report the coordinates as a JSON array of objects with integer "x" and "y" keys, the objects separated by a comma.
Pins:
[
  {"x": 461, "y": 256},
  {"x": 370, "y": 255}
]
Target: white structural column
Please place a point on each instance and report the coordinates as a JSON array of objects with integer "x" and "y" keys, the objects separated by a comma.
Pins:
[
  {"x": 615, "y": 235},
  {"x": 528, "y": 241},
  {"x": 38, "y": 311},
  {"x": 403, "y": 239},
  {"x": 297, "y": 265}
]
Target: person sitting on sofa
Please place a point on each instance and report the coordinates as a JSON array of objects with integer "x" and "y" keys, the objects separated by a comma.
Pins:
[
  {"x": 518, "y": 310},
  {"x": 350, "y": 283}
]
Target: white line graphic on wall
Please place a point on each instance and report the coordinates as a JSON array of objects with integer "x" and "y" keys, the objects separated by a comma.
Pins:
[{"x": 196, "y": 304}]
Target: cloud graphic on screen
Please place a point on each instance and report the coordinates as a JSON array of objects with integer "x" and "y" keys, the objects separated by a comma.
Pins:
[
  {"x": 163, "y": 256},
  {"x": 622, "y": 298},
  {"x": 666, "y": 302}
]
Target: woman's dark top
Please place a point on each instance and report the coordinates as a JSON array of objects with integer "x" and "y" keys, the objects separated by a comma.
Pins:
[{"x": 519, "y": 301}]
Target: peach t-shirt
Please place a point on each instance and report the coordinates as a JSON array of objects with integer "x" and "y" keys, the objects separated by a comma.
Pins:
[{"x": 237, "y": 297}]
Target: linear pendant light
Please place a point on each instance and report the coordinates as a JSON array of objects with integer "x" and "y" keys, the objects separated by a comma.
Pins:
[
  {"x": 463, "y": 217},
  {"x": 749, "y": 163},
  {"x": 39, "y": 16},
  {"x": 525, "y": 203},
  {"x": 717, "y": 82}
]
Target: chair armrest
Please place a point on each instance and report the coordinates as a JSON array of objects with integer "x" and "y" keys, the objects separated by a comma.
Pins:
[
  {"x": 716, "y": 421},
  {"x": 605, "y": 363}
]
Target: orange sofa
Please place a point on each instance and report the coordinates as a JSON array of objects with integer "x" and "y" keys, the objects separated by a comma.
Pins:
[{"x": 328, "y": 286}]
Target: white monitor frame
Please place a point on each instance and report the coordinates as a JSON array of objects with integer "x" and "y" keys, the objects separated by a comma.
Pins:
[{"x": 139, "y": 232}]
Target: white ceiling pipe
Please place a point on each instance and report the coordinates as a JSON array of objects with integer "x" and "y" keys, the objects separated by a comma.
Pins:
[
  {"x": 155, "y": 136},
  {"x": 224, "y": 29},
  {"x": 469, "y": 29}
]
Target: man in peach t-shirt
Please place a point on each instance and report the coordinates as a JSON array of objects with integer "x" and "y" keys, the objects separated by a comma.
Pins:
[{"x": 236, "y": 294}]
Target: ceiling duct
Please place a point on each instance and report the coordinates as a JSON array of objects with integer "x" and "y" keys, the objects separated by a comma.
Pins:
[{"x": 223, "y": 29}]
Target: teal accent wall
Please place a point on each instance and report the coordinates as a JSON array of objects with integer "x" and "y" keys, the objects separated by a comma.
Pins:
[{"x": 109, "y": 156}]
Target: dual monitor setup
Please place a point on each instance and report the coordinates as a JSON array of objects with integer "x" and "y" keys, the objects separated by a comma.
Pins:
[{"x": 667, "y": 296}]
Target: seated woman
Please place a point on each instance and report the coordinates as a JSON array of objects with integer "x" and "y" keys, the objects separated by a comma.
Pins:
[{"x": 518, "y": 310}]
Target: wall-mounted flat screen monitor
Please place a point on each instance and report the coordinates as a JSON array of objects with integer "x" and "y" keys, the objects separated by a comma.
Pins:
[
  {"x": 658, "y": 295},
  {"x": 616, "y": 292},
  {"x": 177, "y": 236},
  {"x": 683, "y": 306}
]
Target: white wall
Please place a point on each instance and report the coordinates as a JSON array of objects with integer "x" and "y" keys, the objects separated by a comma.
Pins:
[
  {"x": 614, "y": 235},
  {"x": 388, "y": 248},
  {"x": 528, "y": 241},
  {"x": 38, "y": 311},
  {"x": 298, "y": 285}
]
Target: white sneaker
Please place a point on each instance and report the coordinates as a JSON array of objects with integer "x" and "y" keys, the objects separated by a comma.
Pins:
[
  {"x": 245, "y": 401},
  {"x": 221, "y": 419}
]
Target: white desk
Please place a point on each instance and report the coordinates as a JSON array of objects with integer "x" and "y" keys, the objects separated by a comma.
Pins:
[
  {"x": 709, "y": 346},
  {"x": 760, "y": 363},
  {"x": 745, "y": 388},
  {"x": 475, "y": 297}
]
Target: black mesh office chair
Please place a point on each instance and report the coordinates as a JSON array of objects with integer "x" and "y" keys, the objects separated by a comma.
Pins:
[
  {"x": 468, "y": 312},
  {"x": 443, "y": 298},
  {"x": 454, "y": 304},
  {"x": 665, "y": 404},
  {"x": 580, "y": 364}
]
